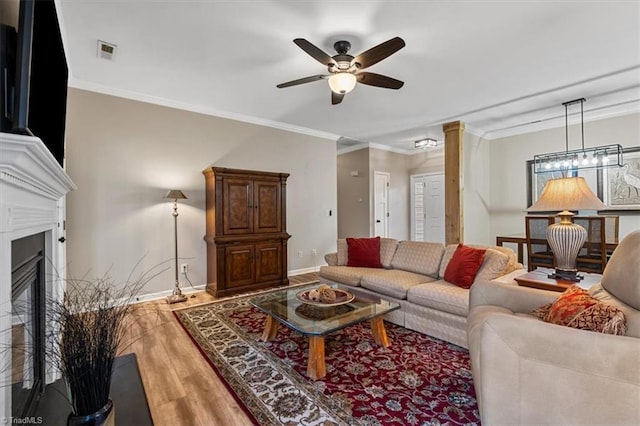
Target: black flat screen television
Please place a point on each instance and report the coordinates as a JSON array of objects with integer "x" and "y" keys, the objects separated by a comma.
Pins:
[{"x": 34, "y": 76}]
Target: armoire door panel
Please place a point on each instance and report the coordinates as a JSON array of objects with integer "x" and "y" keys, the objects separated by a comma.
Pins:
[
  {"x": 269, "y": 261},
  {"x": 267, "y": 201},
  {"x": 239, "y": 265},
  {"x": 238, "y": 206}
]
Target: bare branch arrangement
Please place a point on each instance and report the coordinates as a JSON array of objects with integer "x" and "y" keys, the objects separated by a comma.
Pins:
[{"x": 87, "y": 329}]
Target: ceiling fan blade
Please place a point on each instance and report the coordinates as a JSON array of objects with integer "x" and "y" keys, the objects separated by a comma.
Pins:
[
  {"x": 379, "y": 80},
  {"x": 336, "y": 98},
  {"x": 379, "y": 52},
  {"x": 315, "y": 52},
  {"x": 301, "y": 81}
]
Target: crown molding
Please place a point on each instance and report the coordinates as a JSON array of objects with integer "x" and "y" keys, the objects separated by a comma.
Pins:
[
  {"x": 352, "y": 148},
  {"x": 390, "y": 148},
  {"x": 378, "y": 146},
  {"x": 609, "y": 111},
  {"x": 156, "y": 100}
]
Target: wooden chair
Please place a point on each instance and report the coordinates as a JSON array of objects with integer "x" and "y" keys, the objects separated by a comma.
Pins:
[
  {"x": 612, "y": 224},
  {"x": 602, "y": 238},
  {"x": 539, "y": 253},
  {"x": 592, "y": 257}
]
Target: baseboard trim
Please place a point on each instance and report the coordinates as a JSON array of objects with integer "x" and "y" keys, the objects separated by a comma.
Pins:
[
  {"x": 159, "y": 295},
  {"x": 303, "y": 271}
]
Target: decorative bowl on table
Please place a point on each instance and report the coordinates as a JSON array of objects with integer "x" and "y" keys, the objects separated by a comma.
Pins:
[
  {"x": 325, "y": 296},
  {"x": 318, "y": 313}
]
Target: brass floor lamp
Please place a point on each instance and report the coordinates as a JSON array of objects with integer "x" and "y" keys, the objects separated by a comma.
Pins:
[{"x": 175, "y": 195}]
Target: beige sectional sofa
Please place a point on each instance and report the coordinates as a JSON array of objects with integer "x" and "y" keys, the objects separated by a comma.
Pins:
[
  {"x": 413, "y": 277},
  {"x": 530, "y": 372}
]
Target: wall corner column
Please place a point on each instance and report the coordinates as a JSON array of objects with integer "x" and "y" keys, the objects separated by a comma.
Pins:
[{"x": 453, "y": 134}]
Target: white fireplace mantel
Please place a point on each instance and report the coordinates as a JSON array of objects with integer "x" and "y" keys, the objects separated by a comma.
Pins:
[
  {"x": 30, "y": 178},
  {"x": 32, "y": 190}
]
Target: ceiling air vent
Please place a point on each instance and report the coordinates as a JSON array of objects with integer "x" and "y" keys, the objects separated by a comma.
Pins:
[{"x": 106, "y": 50}]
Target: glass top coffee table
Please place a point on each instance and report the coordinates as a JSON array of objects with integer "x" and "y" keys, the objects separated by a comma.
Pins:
[{"x": 316, "y": 322}]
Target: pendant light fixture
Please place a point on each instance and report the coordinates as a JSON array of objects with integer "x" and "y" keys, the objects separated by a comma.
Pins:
[{"x": 578, "y": 159}]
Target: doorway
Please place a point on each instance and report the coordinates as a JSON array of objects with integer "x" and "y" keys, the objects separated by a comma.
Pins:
[
  {"x": 427, "y": 208},
  {"x": 381, "y": 203}
]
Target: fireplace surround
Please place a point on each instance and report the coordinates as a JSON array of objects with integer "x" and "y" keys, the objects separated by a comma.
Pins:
[{"x": 32, "y": 191}]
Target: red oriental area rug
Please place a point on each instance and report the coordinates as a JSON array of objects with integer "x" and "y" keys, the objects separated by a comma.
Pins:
[{"x": 418, "y": 380}]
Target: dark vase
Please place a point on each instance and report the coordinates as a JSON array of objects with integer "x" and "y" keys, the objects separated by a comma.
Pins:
[{"x": 98, "y": 418}]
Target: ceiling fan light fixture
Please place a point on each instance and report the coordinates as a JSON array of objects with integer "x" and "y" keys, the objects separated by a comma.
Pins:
[
  {"x": 342, "y": 82},
  {"x": 342, "y": 68}
]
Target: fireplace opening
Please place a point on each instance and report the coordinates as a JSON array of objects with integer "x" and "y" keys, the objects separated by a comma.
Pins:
[{"x": 28, "y": 307}]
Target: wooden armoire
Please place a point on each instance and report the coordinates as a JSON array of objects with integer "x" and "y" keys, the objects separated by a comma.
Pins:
[{"x": 246, "y": 230}]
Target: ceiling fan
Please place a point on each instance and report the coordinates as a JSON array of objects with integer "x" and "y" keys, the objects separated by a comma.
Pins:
[{"x": 346, "y": 70}]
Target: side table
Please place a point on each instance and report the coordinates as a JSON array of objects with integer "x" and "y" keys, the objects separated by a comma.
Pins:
[{"x": 538, "y": 278}]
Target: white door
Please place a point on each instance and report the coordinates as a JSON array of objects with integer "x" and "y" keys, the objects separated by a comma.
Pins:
[
  {"x": 427, "y": 208},
  {"x": 434, "y": 201},
  {"x": 418, "y": 214},
  {"x": 381, "y": 203}
]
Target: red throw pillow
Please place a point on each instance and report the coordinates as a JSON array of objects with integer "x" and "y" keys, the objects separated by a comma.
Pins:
[
  {"x": 570, "y": 304},
  {"x": 575, "y": 308},
  {"x": 364, "y": 252},
  {"x": 464, "y": 265}
]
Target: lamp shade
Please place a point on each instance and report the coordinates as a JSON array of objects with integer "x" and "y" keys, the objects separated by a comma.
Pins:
[
  {"x": 175, "y": 194},
  {"x": 571, "y": 193}
]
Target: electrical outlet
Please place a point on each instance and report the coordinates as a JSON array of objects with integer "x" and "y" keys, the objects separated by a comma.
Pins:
[
  {"x": 300, "y": 254},
  {"x": 313, "y": 252},
  {"x": 184, "y": 268}
]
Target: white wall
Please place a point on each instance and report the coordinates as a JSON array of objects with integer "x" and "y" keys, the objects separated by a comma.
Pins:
[
  {"x": 124, "y": 155},
  {"x": 353, "y": 194},
  {"x": 397, "y": 166},
  {"x": 508, "y": 167},
  {"x": 356, "y": 193},
  {"x": 476, "y": 190},
  {"x": 429, "y": 161}
]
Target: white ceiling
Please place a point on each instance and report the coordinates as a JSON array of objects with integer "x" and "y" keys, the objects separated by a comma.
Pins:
[{"x": 496, "y": 65}]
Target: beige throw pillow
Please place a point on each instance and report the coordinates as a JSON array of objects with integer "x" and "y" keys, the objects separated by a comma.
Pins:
[
  {"x": 493, "y": 266},
  {"x": 419, "y": 257},
  {"x": 343, "y": 252},
  {"x": 387, "y": 250}
]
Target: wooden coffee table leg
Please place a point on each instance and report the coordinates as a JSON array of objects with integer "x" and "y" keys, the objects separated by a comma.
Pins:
[
  {"x": 379, "y": 332},
  {"x": 316, "y": 369},
  {"x": 270, "y": 329}
]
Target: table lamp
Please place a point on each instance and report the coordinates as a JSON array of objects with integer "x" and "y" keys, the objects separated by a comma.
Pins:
[
  {"x": 566, "y": 238},
  {"x": 175, "y": 195}
]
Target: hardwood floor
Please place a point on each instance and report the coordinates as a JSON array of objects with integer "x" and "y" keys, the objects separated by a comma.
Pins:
[{"x": 181, "y": 387}]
